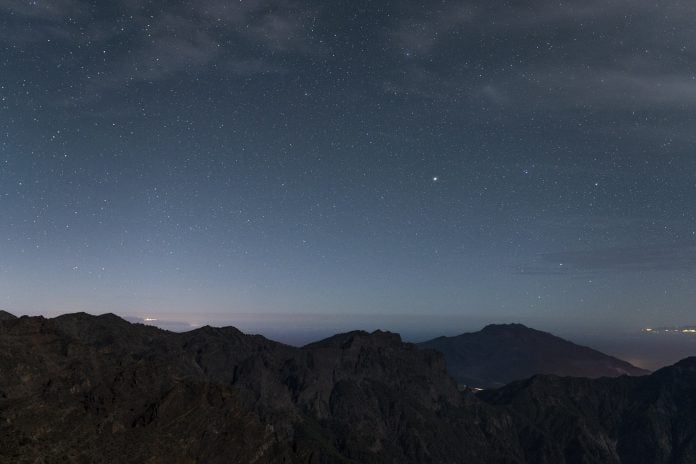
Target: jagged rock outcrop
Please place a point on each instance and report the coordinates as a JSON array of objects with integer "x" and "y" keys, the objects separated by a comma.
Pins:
[
  {"x": 80, "y": 388},
  {"x": 640, "y": 420}
]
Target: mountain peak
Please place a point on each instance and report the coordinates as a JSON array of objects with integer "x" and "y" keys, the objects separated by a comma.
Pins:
[
  {"x": 359, "y": 338},
  {"x": 501, "y": 353},
  {"x": 83, "y": 316},
  {"x": 85, "y": 319},
  {"x": 211, "y": 331},
  {"x": 686, "y": 364},
  {"x": 512, "y": 327},
  {"x": 5, "y": 316}
]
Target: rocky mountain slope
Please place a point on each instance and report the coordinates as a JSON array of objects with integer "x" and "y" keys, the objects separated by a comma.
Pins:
[
  {"x": 80, "y": 388},
  {"x": 648, "y": 419},
  {"x": 83, "y": 389},
  {"x": 500, "y": 354}
]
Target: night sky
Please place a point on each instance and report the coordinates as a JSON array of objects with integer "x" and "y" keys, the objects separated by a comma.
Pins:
[{"x": 501, "y": 161}]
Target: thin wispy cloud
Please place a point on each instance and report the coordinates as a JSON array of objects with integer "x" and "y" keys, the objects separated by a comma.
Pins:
[
  {"x": 534, "y": 56},
  {"x": 54, "y": 10},
  {"x": 162, "y": 42},
  {"x": 674, "y": 257}
]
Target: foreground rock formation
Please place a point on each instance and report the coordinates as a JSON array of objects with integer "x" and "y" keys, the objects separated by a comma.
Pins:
[{"x": 83, "y": 389}]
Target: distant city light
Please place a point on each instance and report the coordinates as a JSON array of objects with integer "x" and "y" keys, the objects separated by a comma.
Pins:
[{"x": 682, "y": 330}]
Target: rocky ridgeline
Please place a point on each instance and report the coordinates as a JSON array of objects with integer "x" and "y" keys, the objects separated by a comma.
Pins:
[{"x": 81, "y": 388}]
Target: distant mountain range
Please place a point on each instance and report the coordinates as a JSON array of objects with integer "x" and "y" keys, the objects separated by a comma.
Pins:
[
  {"x": 86, "y": 389},
  {"x": 500, "y": 354}
]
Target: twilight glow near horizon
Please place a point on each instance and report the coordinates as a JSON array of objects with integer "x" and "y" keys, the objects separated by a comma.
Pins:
[{"x": 509, "y": 160}]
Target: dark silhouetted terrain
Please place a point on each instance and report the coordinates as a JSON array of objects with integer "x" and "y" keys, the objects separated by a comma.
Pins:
[
  {"x": 500, "y": 354},
  {"x": 82, "y": 389}
]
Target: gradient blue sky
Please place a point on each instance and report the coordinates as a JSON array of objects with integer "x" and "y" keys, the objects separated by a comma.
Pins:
[{"x": 452, "y": 161}]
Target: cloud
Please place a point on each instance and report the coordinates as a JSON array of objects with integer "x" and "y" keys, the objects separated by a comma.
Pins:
[
  {"x": 420, "y": 33},
  {"x": 596, "y": 55},
  {"x": 639, "y": 89},
  {"x": 152, "y": 44},
  {"x": 53, "y": 10},
  {"x": 26, "y": 22},
  {"x": 549, "y": 13},
  {"x": 678, "y": 256},
  {"x": 175, "y": 44},
  {"x": 423, "y": 30},
  {"x": 615, "y": 89}
]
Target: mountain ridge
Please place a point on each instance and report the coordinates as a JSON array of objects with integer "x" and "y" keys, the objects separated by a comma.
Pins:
[
  {"x": 83, "y": 388},
  {"x": 502, "y": 353}
]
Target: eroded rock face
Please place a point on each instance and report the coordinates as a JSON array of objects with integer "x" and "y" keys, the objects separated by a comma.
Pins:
[
  {"x": 84, "y": 389},
  {"x": 94, "y": 389},
  {"x": 502, "y": 353},
  {"x": 624, "y": 420}
]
